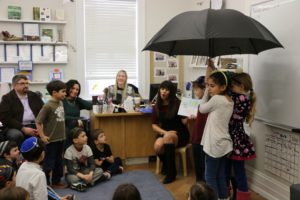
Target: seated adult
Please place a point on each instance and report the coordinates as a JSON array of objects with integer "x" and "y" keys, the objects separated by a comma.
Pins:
[
  {"x": 121, "y": 90},
  {"x": 171, "y": 128},
  {"x": 18, "y": 110},
  {"x": 72, "y": 106}
]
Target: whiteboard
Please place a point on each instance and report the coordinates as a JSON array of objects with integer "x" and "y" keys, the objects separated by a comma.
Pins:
[{"x": 276, "y": 72}]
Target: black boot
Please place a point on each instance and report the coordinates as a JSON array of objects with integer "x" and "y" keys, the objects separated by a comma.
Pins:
[
  {"x": 163, "y": 167},
  {"x": 170, "y": 163}
]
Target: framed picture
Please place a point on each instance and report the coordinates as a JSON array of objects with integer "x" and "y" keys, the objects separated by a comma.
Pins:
[
  {"x": 172, "y": 63},
  {"x": 159, "y": 72},
  {"x": 31, "y": 31},
  {"x": 193, "y": 61},
  {"x": 173, "y": 78},
  {"x": 201, "y": 61},
  {"x": 159, "y": 57}
]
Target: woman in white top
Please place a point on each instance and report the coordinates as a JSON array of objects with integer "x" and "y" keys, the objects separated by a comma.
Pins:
[{"x": 216, "y": 140}]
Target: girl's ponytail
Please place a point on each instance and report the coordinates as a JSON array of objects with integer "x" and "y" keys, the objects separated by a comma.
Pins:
[{"x": 250, "y": 116}]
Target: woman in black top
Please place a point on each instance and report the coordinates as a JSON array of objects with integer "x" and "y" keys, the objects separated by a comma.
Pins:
[
  {"x": 119, "y": 92},
  {"x": 171, "y": 128}
]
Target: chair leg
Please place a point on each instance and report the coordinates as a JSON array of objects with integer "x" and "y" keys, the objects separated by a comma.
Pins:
[{"x": 157, "y": 165}]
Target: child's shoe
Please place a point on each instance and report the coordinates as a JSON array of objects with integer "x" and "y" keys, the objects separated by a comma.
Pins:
[
  {"x": 107, "y": 175},
  {"x": 81, "y": 187}
]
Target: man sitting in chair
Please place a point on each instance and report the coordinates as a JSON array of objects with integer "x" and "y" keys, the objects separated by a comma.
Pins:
[{"x": 18, "y": 109}]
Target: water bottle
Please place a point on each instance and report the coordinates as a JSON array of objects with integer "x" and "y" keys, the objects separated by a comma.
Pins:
[
  {"x": 101, "y": 101},
  {"x": 95, "y": 104}
]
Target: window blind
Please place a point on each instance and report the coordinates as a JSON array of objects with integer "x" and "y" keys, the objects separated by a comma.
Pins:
[{"x": 110, "y": 38}]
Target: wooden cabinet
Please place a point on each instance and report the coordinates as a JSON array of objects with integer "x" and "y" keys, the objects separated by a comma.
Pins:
[{"x": 130, "y": 135}]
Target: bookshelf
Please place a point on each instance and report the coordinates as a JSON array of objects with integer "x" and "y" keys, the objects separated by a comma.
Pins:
[
  {"x": 45, "y": 54},
  {"x": 31, "y": 21}
]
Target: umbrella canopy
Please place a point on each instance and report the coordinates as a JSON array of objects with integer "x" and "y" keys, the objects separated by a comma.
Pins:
[{"x": 212, "y": 33}]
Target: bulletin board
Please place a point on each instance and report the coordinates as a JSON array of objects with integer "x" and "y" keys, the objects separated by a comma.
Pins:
[{"x": 164, "y": 67}]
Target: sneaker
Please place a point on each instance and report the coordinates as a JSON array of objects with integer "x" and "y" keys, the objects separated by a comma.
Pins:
[
  {"x": 107, "y": 175},
  {"x": 78, "y": 187}
]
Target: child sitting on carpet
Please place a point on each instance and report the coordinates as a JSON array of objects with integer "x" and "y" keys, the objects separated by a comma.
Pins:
[
  {"x": 127, "y": 191},
  {"x": 201, "y": 191},
  {"x": 80, "y": 163},
  {"x": 30, "y": 175},
  {"x": 9, "y": 154},
  {"x": 7, "y": 177},
  {"x": 14, "y": 193},
  {"x": 103, "y": 155}
]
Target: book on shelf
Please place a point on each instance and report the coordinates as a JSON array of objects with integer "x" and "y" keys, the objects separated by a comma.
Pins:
[
  {"x": 36, "y": 13},
  {"x": 45, "y": 14},
  {"x": 14, "y": 12},
  {"x": 59, "y": 14},
  {"x": 28, "y": 74},
  {"x": 46, "y": 35}
]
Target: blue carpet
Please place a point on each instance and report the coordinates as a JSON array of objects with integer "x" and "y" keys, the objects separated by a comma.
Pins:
[{"x": 146, "y": 182}]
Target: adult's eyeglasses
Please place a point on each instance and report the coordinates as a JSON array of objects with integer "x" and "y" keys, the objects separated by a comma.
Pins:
[{"x": 23, "y": 83}]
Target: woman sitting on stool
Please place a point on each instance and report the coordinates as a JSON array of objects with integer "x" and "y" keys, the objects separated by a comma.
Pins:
[{"x": 171, "y": 128}]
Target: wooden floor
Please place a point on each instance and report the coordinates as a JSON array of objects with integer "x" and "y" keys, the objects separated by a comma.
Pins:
[{"x": 181, "y": 186}]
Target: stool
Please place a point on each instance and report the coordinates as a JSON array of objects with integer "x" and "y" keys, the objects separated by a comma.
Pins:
[{"x": 182, "y": 152}]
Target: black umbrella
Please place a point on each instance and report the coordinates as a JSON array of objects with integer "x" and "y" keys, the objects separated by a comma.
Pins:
[{"x": 212, "y": 33}]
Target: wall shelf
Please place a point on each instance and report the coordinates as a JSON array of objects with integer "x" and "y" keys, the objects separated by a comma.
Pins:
[
  {"x": 55, "y": 63},
  {"x": 31, "y": 21},
  {"x": 32, "y": 42}
]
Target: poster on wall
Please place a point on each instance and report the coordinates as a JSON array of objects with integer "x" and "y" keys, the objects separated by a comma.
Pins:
[
  {"x": 172, "y": 63},
  {"x": 160, "y": 57},
  {"x": 173, "y": 78},
  {"x": 159, "y": 72}
]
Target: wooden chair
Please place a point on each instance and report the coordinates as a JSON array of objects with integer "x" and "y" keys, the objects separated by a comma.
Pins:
[{"x": 182, "y": 151}]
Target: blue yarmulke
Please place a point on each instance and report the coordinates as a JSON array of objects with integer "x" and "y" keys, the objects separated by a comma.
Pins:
[{"x": 29, "y": 144}]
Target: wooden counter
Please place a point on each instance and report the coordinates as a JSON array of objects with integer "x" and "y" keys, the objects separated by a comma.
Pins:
[{"x": 128, "y": 134}]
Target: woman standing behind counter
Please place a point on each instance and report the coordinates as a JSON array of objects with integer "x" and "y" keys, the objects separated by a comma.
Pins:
[{"x": 121, "y": 90}]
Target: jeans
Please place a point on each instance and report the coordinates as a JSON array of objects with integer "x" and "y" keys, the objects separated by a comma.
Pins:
[
  {"x": 199, "y": 160},
  {"x": 53, "y": 161},
  {"x": 239, "y": 174},
  {"x": 215, "y": 175}
]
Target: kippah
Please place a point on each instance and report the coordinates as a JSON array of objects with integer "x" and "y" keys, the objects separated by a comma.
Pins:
[
  {"x": 2, "y": 147},
  {"x": 29, "y": 144},
  {"x": 5, "y": 174}
]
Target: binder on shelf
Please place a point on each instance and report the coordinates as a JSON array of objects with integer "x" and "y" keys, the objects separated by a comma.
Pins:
[
  {"x": 24, "y": 52},
  {"x": 6, "y": 74},
  {"x": 47, "y": 53},
  {"x": 11, "y": 53},
  {"x": 2, "y": 53},
  {"x": 36, "y": 54},
  {"x": 61, "y": 53}
]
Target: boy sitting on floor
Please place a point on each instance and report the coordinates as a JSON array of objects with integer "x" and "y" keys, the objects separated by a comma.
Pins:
[
  {"x": 80, "y": 163},
  {"x": 9, "y": 154},
  {"x": 103, "y": 155},
  {"x": 7, "y": 177}
]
